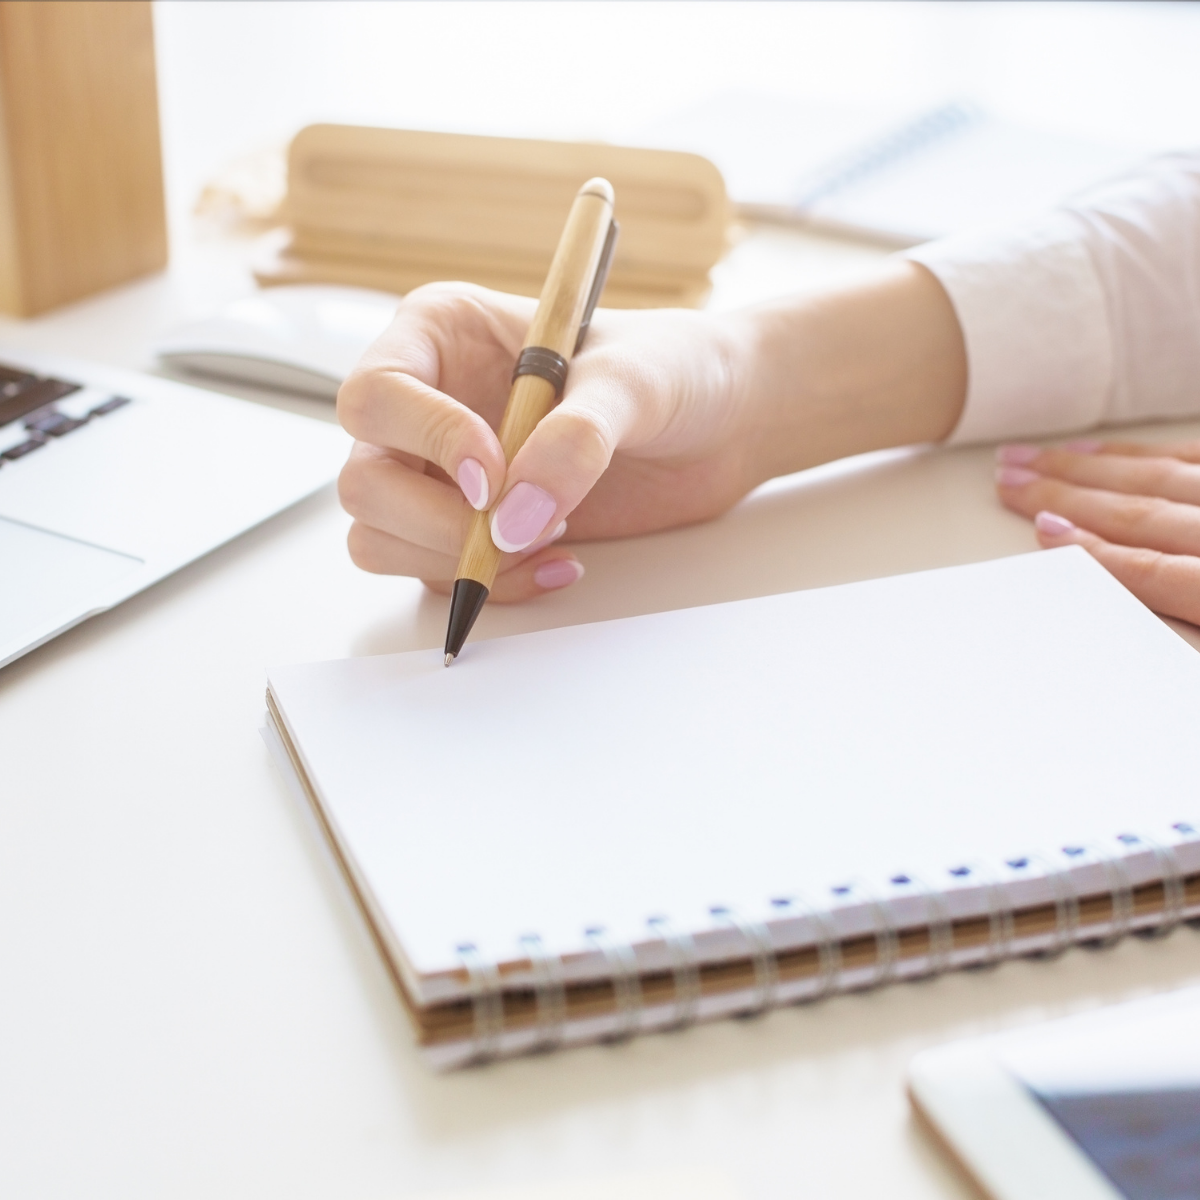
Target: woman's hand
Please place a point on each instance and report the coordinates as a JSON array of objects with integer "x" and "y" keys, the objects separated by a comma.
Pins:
[
  {"x": 650, "y": 433},
  {"x": 1134, "y": 508},
  {"x": 669, "y": 417}
]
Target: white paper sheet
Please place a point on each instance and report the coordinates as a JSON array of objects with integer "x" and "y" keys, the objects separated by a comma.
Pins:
[{"x": 598, "y": 775}]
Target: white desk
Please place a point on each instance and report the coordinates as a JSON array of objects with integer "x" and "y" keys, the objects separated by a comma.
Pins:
[{"x": 189, "y": 1003}]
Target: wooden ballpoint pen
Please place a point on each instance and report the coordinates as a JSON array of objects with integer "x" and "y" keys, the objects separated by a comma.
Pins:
[{"x": 564, "y": 311}]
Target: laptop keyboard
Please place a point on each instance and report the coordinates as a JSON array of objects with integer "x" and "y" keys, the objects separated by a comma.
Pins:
[{"x": 33, "y": 399}]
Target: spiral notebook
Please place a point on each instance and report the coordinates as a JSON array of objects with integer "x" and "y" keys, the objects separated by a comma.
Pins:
[
  {"x": 624, "y": 827},
  {"x": 897, "y": 177}
]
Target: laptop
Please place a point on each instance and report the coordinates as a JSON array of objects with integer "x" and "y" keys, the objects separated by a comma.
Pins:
[{"x": 110, "y": 480}]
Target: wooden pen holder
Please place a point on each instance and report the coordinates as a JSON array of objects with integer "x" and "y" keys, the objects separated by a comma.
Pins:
[{"x": 393, "y": 209}]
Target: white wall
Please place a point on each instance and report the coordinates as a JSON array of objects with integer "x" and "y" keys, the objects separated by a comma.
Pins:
[{"x": 235, "y": 74}]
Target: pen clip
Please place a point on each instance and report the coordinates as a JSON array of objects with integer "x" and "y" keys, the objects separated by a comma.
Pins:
[{"x": 598, "y": 282}]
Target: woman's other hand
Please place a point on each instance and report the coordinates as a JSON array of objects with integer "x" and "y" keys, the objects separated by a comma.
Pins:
[{"x": 1134, "y": 508}]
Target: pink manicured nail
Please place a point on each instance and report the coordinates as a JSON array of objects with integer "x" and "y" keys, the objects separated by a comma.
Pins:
[
  {"x": 1052, "y": 525},
  {"x": 1083, "y": 445},
  {"x": 472, "y": 478},
  {"x": 558, "y": 573},
  {"x": 1017, "y": 454},
  {"x": 522, "y": 515},
  {"x": 559, "y": 530},
  {"x": 1015, "y": 476}
]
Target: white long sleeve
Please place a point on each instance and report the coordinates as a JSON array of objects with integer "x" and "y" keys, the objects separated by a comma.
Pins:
[{"x": 1086, "y": 316}]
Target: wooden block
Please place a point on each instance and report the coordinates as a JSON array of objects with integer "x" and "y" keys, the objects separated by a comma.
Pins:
[
  {"x": 394, "y": 204},
  {"x": 81, "y": 193},
  {"x": 280, "y": 263}
]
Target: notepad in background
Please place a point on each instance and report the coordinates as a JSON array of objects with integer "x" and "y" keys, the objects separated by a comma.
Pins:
[{"x": 898, "y": 177}]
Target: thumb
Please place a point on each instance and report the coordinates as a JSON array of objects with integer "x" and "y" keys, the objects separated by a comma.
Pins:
[{"x": 561, "y": 461}]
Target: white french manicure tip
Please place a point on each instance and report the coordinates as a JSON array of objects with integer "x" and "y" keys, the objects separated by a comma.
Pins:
[
  {"x": 472, "y": 478},
  {"x": 503, "y": 546}
]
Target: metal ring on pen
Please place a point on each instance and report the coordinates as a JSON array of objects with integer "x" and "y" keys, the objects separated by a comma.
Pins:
[
  {"x": 549, "y": 992},
  {"x": 762, "y": 957},
  {"x": 828, "y": 946},
  {"x": 685, "y": 969},
  {"x": 545, "y": 364},
  {"x": 1173, "y": 886},
  {"x": 623, "y": 975},
  {"x": 938, "y": 925},
  {"x": 487, "y": 1003}
]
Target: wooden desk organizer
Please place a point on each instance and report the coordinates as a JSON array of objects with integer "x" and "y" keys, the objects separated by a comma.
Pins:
[
  {"x": 81, "y": 190},
  {"x": 393, "y": 209}
]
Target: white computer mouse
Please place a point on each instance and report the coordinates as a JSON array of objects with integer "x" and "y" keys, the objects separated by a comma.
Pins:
[{"x": 300, "y": 338}]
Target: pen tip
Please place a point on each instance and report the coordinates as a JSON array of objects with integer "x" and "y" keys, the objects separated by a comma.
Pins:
[{"x": 448, "y": 660}]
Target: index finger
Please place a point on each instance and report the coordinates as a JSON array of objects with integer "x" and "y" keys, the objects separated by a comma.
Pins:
[
  {"x": 1186, "y": 451},
  {"x": 428, "y": 386}
]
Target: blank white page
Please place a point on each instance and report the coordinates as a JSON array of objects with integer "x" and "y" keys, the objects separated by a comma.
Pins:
[{"x": 601, "y": 774}]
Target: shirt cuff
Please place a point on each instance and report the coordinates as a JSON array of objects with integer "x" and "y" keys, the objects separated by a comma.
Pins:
[{"x": 1033, "y": 316}]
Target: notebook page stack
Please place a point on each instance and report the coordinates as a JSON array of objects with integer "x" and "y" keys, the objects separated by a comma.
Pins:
[{"x": 608, "y": 829}]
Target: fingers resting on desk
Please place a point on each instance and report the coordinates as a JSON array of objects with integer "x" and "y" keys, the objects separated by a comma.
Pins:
[{"x": 1135, "y": 508}]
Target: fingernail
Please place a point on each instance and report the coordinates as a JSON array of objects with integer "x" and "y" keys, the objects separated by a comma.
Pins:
[
  {"x": 559, "y": 530},
  {"x": 1083, "y": 445},
  {"x": 558, "y": 573},
  {"x": 522, "y": 515},
  {"x": 472, "y": 478},
  {"x": 1015, "y": 476},
  {"x": 1017, "y": 454},
  {"x": 1052, "y": 525}
]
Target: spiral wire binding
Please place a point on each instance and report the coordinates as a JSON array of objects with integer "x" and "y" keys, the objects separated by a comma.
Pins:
[
  {"x": 1171, "y": 875},
  {"x": 887, "y": 941},
  {"x": 550, "y": 992},
  {"x": 828, "y": 946},
  {"x": 896, "y": 144},
  {"x": 938, "y": 924},
  {"x": 1066, "y": 910},
  {"x": 1066, "y": 904},
  {"x": 762, "y": 955},
  {"x": 623, "y": 974},
  {"x": 1002, "y": 925},
  {"x": 685, "y": 968},
  {"x": 1120, "y": 893},
  {"x": 550, "y": 989},
  {"x": 487, "y": 1003}
]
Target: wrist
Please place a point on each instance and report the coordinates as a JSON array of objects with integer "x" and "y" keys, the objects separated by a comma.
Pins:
[{"x": 876, "y": 363}]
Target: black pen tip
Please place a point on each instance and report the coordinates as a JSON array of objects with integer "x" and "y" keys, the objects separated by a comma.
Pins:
[{"x": 466, "y": 603}]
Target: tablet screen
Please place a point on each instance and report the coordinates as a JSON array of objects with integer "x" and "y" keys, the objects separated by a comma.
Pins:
[
  {"x": 1147, "y": 1143},
  {"x": 1125, "y": 1085}
]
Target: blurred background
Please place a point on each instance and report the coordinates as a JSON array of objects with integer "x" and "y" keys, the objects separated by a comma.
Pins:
[{"x": 240, "y": 77}]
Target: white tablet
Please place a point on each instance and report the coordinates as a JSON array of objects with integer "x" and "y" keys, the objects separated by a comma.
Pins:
[{"x": 1100, "y": 1106}]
